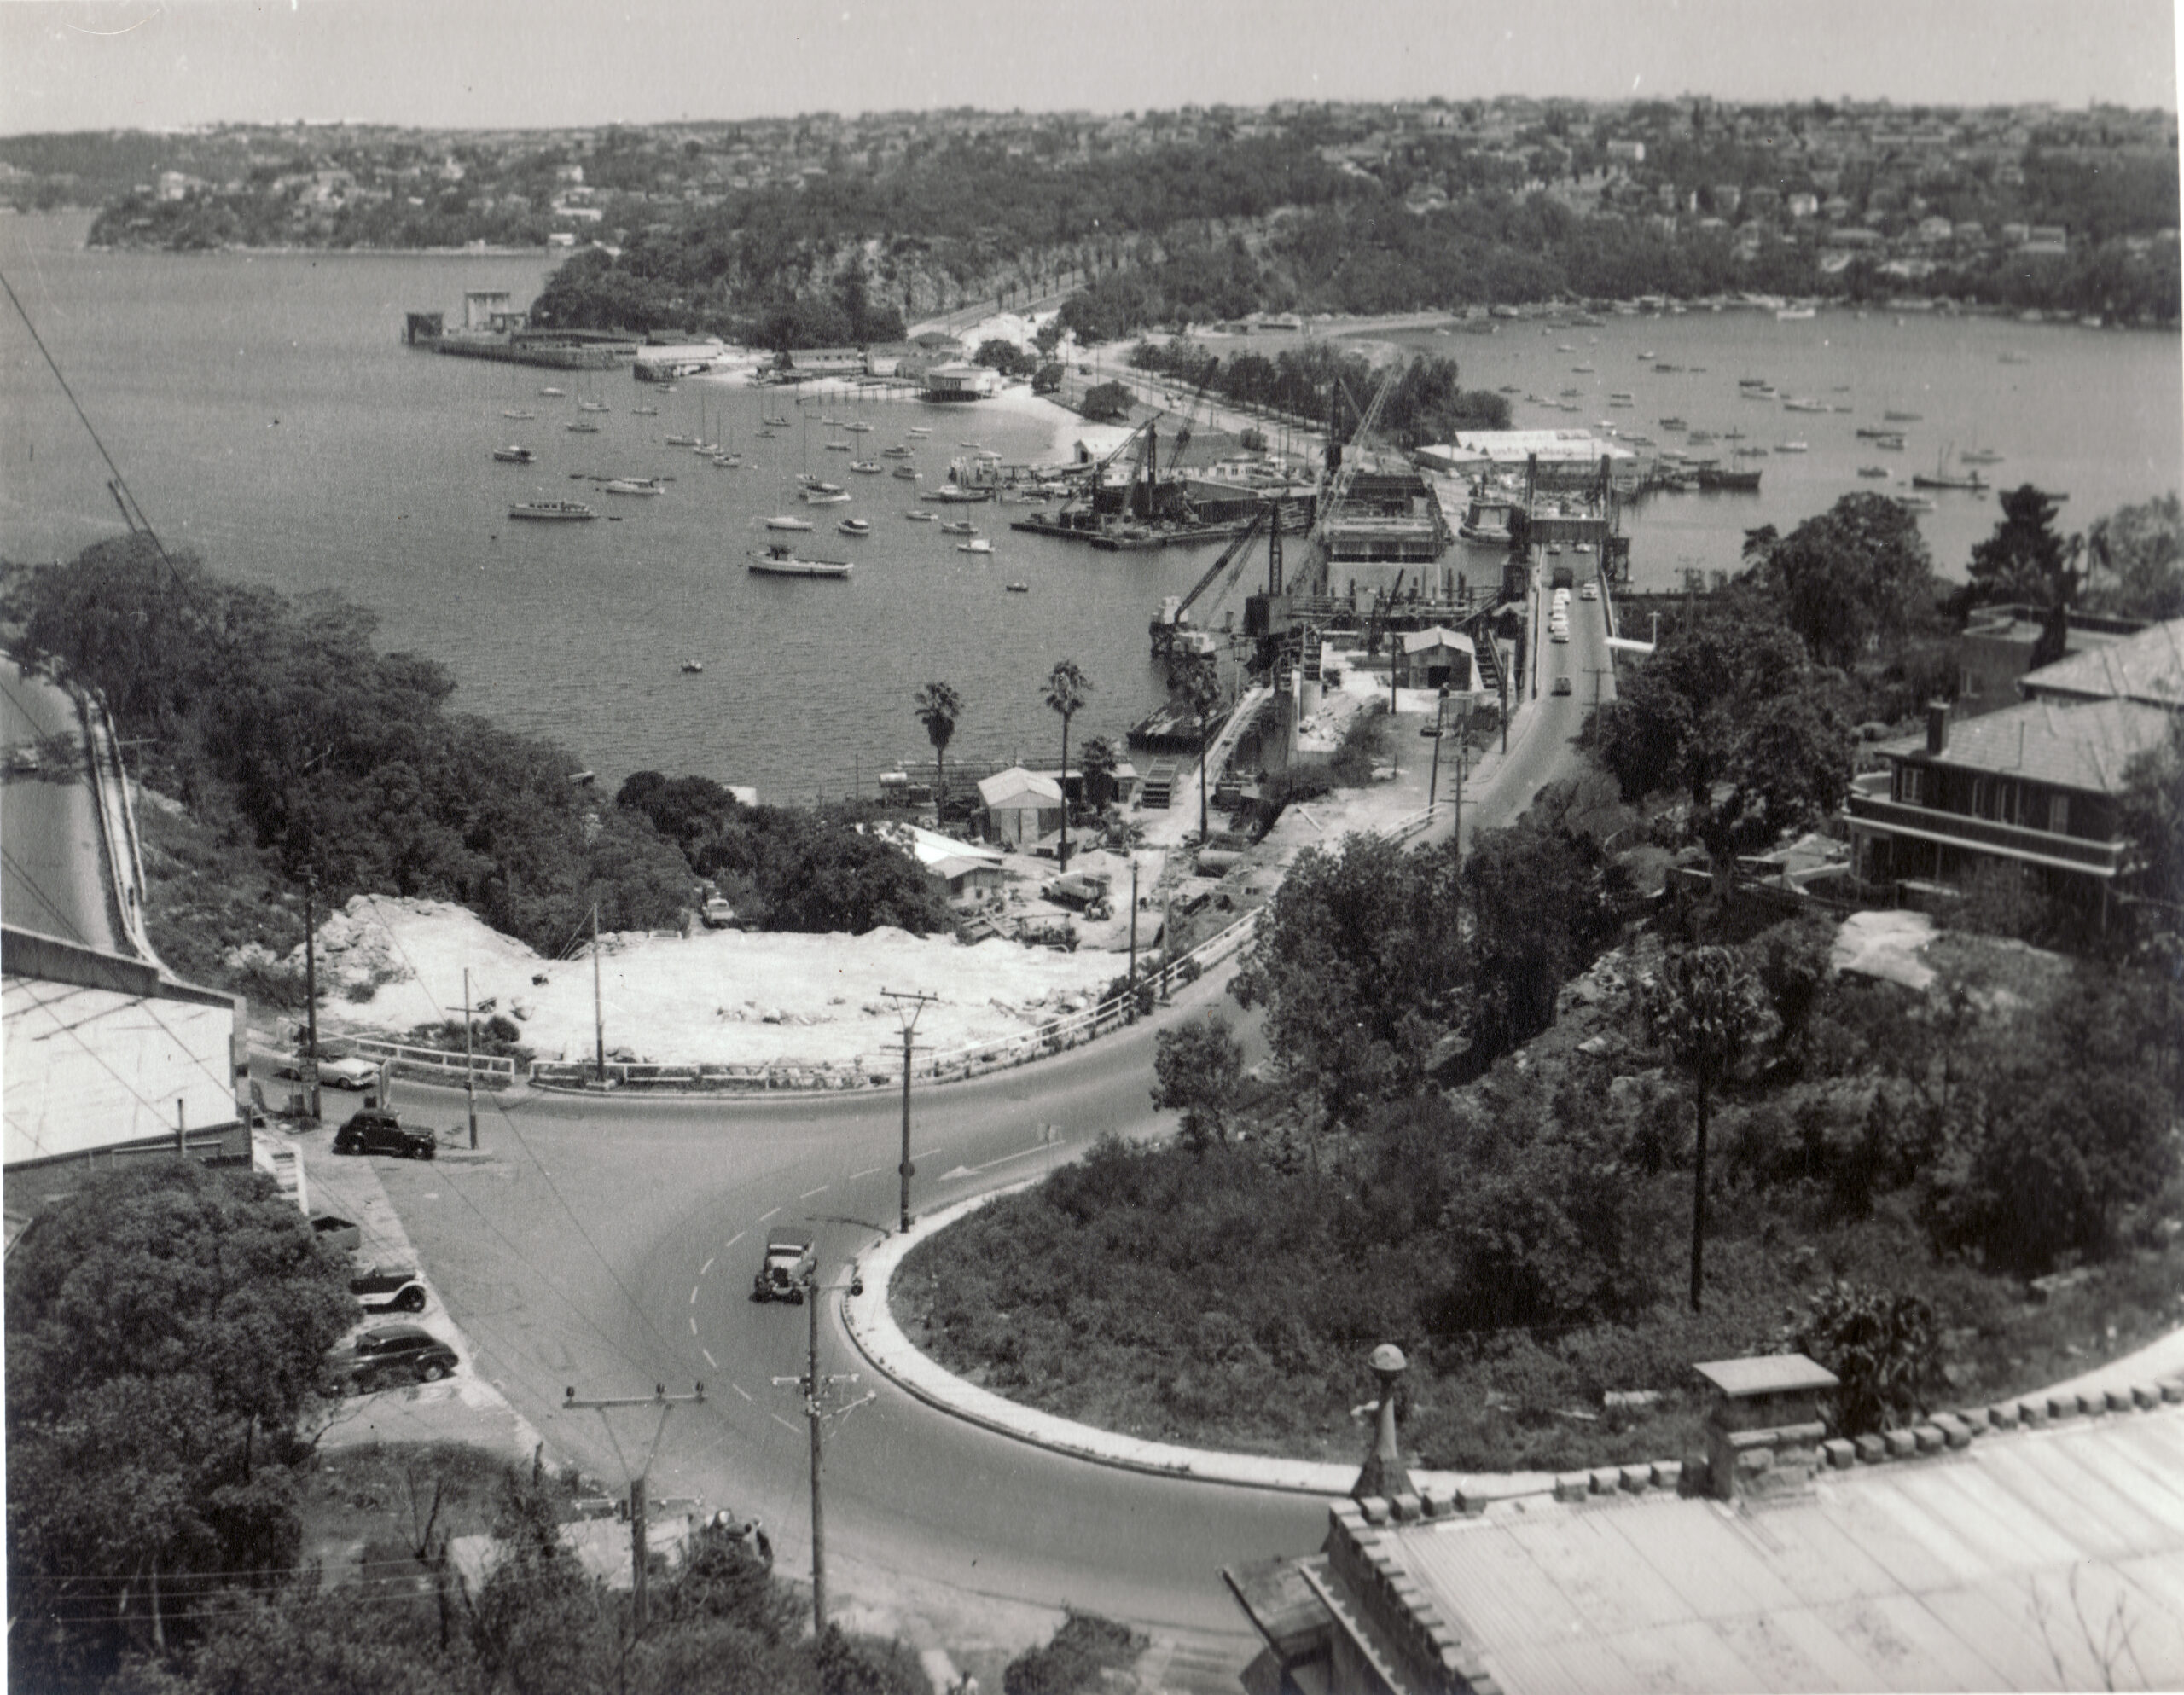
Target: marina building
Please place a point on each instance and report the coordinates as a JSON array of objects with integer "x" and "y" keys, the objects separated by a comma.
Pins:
[{"x": 960, "y": 381}]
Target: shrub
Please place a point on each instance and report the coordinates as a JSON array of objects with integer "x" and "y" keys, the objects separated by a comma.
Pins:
[
  {"x": 1084, "y": 1648},
  {"x": 1883, "y": 1346}
]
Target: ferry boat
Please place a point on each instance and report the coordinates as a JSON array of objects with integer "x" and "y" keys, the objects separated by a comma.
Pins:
[
  {"x": 552, "y": 511},
  {"x": 779, "y": 559},
  {"x": 781, "y": 523},
  {"x": 513, "y": 455},
  {"x": 635, "y": 485}
]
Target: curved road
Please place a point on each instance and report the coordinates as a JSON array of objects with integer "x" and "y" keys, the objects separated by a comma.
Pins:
[
  {"x": 53, "y": 870},
  {"x": 607, "y": 1246}
]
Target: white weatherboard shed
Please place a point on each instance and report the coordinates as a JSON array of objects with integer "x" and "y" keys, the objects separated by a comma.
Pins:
[{"x": 1020, "y": 806}]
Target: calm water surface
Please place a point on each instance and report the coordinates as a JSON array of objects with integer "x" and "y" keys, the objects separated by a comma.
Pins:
[{"x": 262, "y": 410}]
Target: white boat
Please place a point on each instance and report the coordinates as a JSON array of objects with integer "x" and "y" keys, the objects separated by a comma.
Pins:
[
  {"x": 917, "y": 430},
  {"x": 854, "y": 527},
  {"x": 519, "y": 414},
  {"x": 513, "y": 455},
  {"x": 921, "y": 517},
  {"x": 560, "y": 511},
  {"x": 691, "y": 667},
  {"x": 813, "y": 497},
  {"x": 787, "y": 523},
  {"x": 779, "y": 561},
  {"x": 682, "y": 441},
  {"x": 1017, "y": 588},
  {"x": 1792, "y": 314},
  {"x": 593, "y": 406},
  {"x": 1790, "y": 447},
  {"x": 896, "y": 452},
  {"x": 838, "y": 447},
  {"x": 866, "y": 467},
  {"x": 859, "y": 426},
  {"x": 581, "y": 426},
  {"x": 729, "y": 462},
  {"x": 635, "y": 485},
  {"x": 909, "y": 473},
  {"x": 980, "y": 546},
  {"x": 644, "y": 411},
  {"x": 959, "y": 529},
  {"x": 557, "y": 391}
]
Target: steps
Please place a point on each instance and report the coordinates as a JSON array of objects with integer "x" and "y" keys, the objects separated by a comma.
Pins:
[{"x": 1158, "y": 788}]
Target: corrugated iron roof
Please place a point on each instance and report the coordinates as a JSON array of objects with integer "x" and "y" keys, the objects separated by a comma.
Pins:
[
  {"x": 2087, "y": 747},
  {"x": 2012, "y": 1565}
]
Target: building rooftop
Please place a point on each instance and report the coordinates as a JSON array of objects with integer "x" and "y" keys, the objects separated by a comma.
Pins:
[
  {"x": 1766, "y": 1374},
  {"x": 2034, "y": 1560},
  {"x": 2148, "y": 667},
  {"x": 2087, "y": 747}
]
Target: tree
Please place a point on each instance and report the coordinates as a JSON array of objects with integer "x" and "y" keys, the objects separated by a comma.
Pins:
[
  {"x": 1065, "y": 692},
  {"x": 1881, "y": 1346},
  {"x": 1857, "y": 572},
  {"x": 1108, "y": 404},
  {"x": 2150, "y": 813},
  {"x": 1199, "y": 685},
  {"x": 2135, "y": 559},
  {"x": 2025, "y": 559},
  {"x": 1541, "y": 911},
  {"x": 1198, "y": 1068},
  {"x": 1704, "y": 1008},
  {"x": 939, "y": 706},
  {"x": 1098, "y": 762},
  {"x": 165, "y": 1327}
]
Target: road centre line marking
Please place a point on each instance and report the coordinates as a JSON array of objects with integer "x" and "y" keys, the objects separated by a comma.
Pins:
[
  {"x": 867, "y": 1172},
  {"x": 734, "y": 1239},
  {"x": 694, "y": 1294},
  {"x": 808, "y": 1193},
  {"x": 762, "y": 1217},
  {"x": 741, "y": 1389},
  {"x": 710, "y": 1360},
  {"x": 777, "y": 1417},
  {"x": 706, "y": 1267},
  {"x": 693, "y": 1327}
]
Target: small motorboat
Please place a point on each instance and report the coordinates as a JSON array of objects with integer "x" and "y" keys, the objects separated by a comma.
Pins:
[
  {"x": 959, "y": 529},
  {"x": 917, "y": 430},
  {"x": 1790, "y": 447},
  {"x": 839, "y": 446},
  {"x": 921, "y": 517},
  {"x": 1873, "y": 470},
  {"x": 814, "y": 497},
  {"x": 644, "y": 411},
  {"x": 593, "y": 406},
  {"x": 635, "y": 485},
  {"x": 682, "y": 441},
  {"x": 729, "y": 462},
  {"x": 854, "y": 527},
  {"x": 896, "y": 452},
  {"x": 520, "y": 414},
  {"x": 789, "y": 524},
  {"x": 778, "y": 560},
  {"x": 1018, "y": 587},
  {"x": 866, "y": 467},
  {"x": 690, "y": 667},
  {"x": 909, "y": 473},
  {"x": 775, "y": 423},
  {"x": 859, "y": 426},
  {"x": 980, "y": 546},
  {"x": 581, "y": 426},
  {"x": 513, "y": 455},
  {"x": 554, "y": 392}
]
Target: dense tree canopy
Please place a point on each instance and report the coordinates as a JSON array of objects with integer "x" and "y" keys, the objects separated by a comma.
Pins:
[
  {"x": 2135, "y": 561},
  {"x": 2025, "y": 561},
  {"x": 164, "y": 1328},
  {"x": 1855, "y": 575}
]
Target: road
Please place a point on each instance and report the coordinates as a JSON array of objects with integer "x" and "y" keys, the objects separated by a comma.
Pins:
[
  {"x": 52, "y": 855},
  {"x": 607, "y": 1246}
]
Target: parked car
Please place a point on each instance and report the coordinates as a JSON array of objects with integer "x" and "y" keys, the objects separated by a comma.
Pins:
[
  {"x": 358, "y": 1074},
  {"x": 388, "y": 1291},
  {"x": 25, "y": 758},
  {"x": 1561, "y": 685},
  {"x": 389, "y": 1355},
  {"x": 789, "y": 1261},
  {"x": 373, "y": 1129}
]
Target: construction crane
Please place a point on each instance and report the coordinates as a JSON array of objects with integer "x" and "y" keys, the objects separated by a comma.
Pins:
[
  {"x": 1338, "y": 489},
  {"x": 1231, "y": 559}
]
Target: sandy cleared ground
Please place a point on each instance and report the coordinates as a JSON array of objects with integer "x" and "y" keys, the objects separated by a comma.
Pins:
[{"x": 714, "y": 997}]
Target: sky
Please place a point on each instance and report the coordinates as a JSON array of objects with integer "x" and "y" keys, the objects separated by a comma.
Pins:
[{"x": 163, "y": 64}]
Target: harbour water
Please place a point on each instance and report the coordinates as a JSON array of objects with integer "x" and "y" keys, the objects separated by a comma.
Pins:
[{"x": 264, "y": 415}]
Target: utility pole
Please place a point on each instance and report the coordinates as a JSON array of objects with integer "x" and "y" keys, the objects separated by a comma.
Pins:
[
  {"x": 1433, "y": 776},
  {"x": 815, "y": 1388},
  {"x": 660, "y": 1398},
  {"x": 181, "y": 1133},
  {"x": 311, "y": 994},
  {"x": 598, "y": 1008},
  {"x": 908, "y": 1007},
  {"x": 469, "y": 1063},
  {"x": 1130, "y": 1014}
]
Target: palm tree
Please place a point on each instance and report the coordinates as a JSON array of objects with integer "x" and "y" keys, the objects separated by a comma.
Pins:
[
  {"x": 1098, "y": 763},
  {"x": 938, "y": 708},
  {"x": 1066, "y": 690},
  {"x": 1200, "y": 683},
  {"x": 1704, "y": 1007}
]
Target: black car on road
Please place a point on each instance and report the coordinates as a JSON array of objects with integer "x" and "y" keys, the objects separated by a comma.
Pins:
[
  {"x": 388, "y": 1291},
  {"x": 391, "y": 1355},
  {"x": 375, "y": 1130}
]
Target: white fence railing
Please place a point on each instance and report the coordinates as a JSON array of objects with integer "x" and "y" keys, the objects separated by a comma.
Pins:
[{"x": 436, "y": 1064}]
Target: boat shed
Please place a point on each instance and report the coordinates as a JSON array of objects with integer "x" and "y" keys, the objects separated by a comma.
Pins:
[
  {"x": 1437, "y": 659},
  {"x": 1021, "y": 806},
  {"x": 1474, "y": 452},
  {"x": 960, "y": 381}
]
